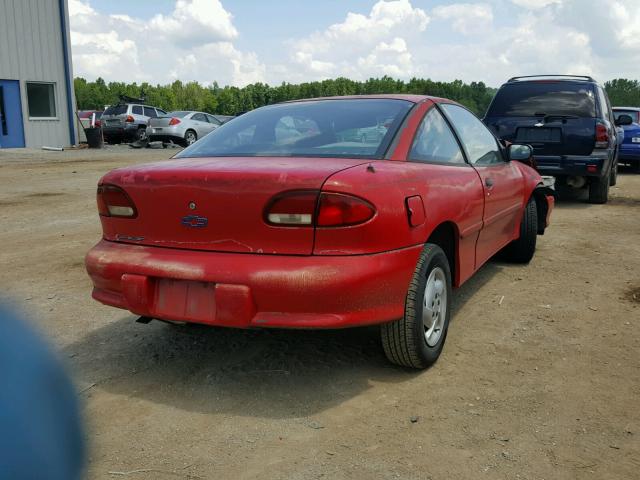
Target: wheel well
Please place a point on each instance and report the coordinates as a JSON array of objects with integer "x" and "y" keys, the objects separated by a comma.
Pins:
[
  {"x": 445, "y": 237},
  {"x": 541, "y": 207}
]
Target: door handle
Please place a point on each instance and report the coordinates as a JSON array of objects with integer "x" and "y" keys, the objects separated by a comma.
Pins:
[{"x": 488, "y": 182}]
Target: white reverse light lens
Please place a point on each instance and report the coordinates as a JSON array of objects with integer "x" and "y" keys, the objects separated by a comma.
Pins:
[
  {"x": 290, "y": 218},
  {"x": 118, "y": 211}
]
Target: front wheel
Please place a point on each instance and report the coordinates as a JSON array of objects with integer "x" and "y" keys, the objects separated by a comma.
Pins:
[
  {"x": 599, "y": 189},
  {"x": 523, "y": 248},
  {"x": 416, "y": 340}
]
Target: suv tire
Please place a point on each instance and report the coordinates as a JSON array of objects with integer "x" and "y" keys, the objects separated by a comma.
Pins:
[
  {"x": 141, "y": 134},
  {"x": 613, "y": 177},
  {"x": 416, "y": 340},
  {"x": 523, "y": 248},
  {"x": 599, "y": 189}
]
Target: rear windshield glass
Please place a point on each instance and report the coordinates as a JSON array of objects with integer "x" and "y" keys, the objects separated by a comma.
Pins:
[
  {"x": 177, "y": 114},
  {"x": 632, "y": 113},
  {"x": 116, "y": 110},
  {"x": 324, "y": 128},
  {"x": 529, "y": 99}
]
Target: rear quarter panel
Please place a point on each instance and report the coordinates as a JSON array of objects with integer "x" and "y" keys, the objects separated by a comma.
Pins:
[{"x": 449, "y": 194}]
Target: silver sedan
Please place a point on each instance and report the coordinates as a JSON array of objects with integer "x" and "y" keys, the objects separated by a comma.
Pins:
[{"x": 182, "y": 127}]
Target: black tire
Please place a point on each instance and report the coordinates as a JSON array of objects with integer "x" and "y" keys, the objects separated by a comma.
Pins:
[
  {"x": 405, "y": 340},
  {"x": 190, "y": 137},
  {"x": 141, "y": 134},
  {"x": 523, "y": 248},
  {"x": 635, "y": 166},
  {"x": 613, "y": 176},
  {"x": 599, "y": 190}
]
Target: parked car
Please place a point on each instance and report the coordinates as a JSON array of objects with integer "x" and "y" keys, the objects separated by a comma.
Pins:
[
  {"x": 128, "y": 121},
  {"x": 183, "y": 127},
  {"x": 630, "y": 148},
  {"x": 247, "y": 229},
  {"x": 569, "y": 123}
]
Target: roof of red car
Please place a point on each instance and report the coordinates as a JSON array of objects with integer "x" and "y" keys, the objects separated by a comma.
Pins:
[{"x": 394, "y": 96}]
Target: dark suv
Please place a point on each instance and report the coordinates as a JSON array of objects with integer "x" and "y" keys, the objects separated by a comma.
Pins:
[{"x": 569, "y": 123}]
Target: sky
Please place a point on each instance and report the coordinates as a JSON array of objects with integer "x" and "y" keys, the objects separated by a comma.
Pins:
[{"x": 237, "y": 42}]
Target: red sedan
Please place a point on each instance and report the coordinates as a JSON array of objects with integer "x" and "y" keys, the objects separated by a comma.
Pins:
[{"x": 289, "y": 217}]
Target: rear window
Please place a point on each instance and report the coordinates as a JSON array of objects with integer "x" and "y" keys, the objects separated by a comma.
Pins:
[
  {"x": 324, "y": 128},
  {"x": 632, "y": 113},
  {"x": 529, "y": 99},
  {"x": 178, "y": 114},
  {"x": 116, "y": 110}
]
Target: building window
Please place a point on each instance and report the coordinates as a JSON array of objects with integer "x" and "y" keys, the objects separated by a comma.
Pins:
[{"x": 41, "y": 99}]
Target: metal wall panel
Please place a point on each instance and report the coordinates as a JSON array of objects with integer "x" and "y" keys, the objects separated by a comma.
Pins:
[{"x": 31, "y": 50}]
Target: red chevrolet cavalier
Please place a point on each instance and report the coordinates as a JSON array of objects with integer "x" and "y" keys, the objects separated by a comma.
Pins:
[{"x": 326, "y": 213}]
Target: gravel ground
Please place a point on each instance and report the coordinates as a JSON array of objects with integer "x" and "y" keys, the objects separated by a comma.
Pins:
[{"x": 538, "y": 379}]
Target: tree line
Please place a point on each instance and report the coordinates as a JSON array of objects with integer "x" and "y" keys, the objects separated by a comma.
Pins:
[{"x": 233, "y": 100}]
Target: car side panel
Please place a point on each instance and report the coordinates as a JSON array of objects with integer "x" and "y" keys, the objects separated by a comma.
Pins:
[
  {"x": 449, "y": 194},
  {"x": 504, "y": 193}
]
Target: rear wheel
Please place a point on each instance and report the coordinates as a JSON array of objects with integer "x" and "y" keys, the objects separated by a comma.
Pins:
[
  {"x": 190, "y": 137},
  {"x": 416, "y": 340},
  {"x": 523, "y": 249},
  {"x": 614, "y": 173},
  {"x": 141, "y": 134},
  {"x": 599, "y": 189},
  {"x": 635, "y": 166}
]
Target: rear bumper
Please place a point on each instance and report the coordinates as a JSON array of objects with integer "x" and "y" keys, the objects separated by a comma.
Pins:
[
  {"x": 629, "y": 151},
  {"x": 594, "y": 165},
  {"x": 252, "y": 290},
  {"x": 128, "y": 131}
]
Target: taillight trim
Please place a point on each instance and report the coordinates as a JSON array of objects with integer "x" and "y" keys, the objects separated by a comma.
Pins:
[
  {"x": 311, "y": 217},
  {"x": 602, "y": 137},
  {"x": 128, "y": 210}
]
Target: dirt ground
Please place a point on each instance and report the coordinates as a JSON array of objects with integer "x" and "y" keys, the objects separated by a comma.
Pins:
[{"x": 539, "y": 378}]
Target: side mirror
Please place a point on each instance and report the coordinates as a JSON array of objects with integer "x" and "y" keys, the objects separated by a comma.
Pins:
[
  {"x": 624, "y": 120},
  {"x": 520, "y": 152}
]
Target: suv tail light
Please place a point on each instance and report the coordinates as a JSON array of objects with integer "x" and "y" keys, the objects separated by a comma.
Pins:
[
  {"x": 319, "y": 209},
  {"x": 602, "y": 136},
  {"x": 114, "y": 202},
  {"x": 174, "y": 121},
  {"x": 130, "y": 119}
]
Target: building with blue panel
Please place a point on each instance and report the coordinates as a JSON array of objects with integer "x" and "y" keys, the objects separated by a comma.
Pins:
[{"x": 37, "y": 102}]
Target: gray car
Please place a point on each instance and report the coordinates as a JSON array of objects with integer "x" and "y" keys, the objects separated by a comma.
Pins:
[
  {"x": 127, "y": 121},
  {"x": 182, "y": 127}
]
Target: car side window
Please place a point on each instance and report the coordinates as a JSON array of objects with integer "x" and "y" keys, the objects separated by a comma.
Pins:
[
  {"x": 213, "y": 120},
  {"x": 150, "y": 112},
  {"x": 434, "y": 141},
  {"x": 199, "y": 117},
  {"x": 480, "y": 144},
  {"x": 137, "y": 110}
]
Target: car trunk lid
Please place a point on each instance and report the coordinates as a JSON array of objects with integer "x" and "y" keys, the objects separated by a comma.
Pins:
[{"x": 217, "y": 204}]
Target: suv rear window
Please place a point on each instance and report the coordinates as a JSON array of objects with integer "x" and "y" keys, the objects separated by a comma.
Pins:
[
  {"x": 530, "y": 99},
  {"x": 116, "y": 110}
]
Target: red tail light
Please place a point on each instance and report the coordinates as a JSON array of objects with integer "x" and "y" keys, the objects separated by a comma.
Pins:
[
  {"x": 293, "y": 209},
  {"x": 338, "y": 210},
  {"x": 114, "y": 202},
  {"x": 98, "y": 123},
  {"x": 602, "y": 136},
  {"x": 174, "y": 121},
  {"x": 306, "y": 209},
  {"x": 129, "y": 119}
]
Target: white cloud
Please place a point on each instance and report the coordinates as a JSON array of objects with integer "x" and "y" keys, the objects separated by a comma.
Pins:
[
  {"x": 193, "y": 42},
  {"x": 195, "y": 22},
  {"x": 466, "y": 18},
  {"x": 362, "y": 45},
  {"x": 535, "y": 4}
]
